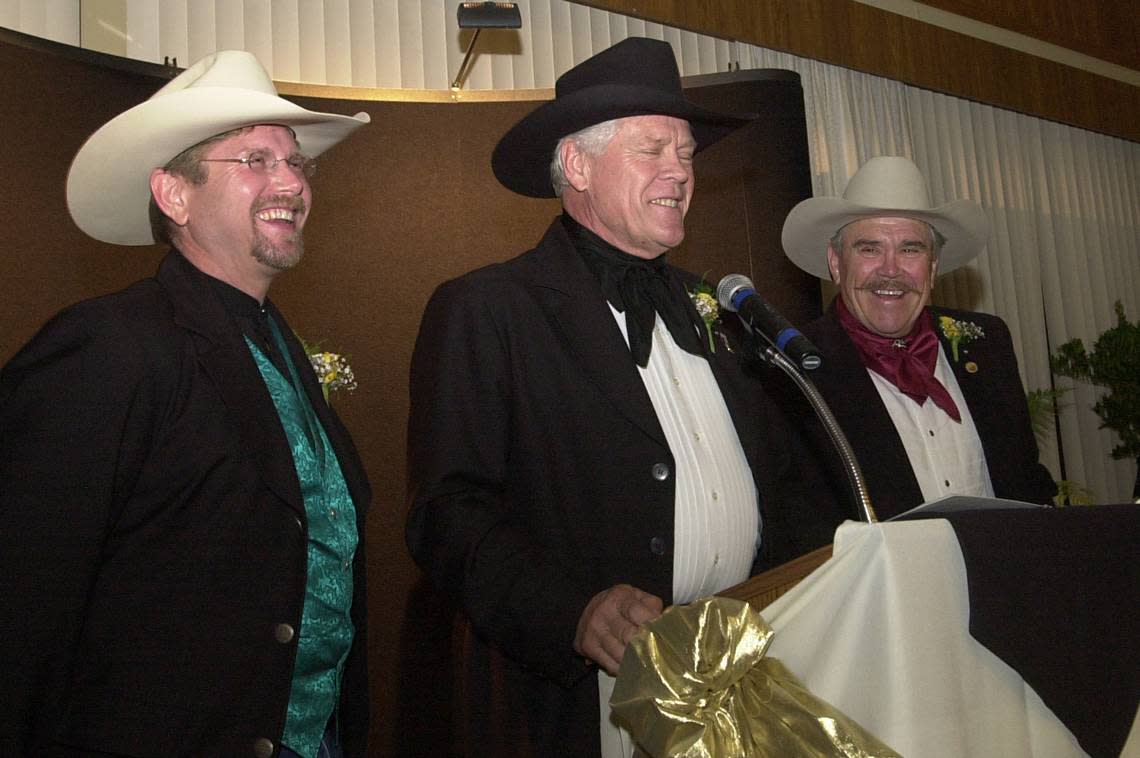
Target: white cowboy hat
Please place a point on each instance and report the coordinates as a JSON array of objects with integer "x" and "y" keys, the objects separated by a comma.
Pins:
[
  {"x": 883, "y": 186},
  {"x": 108, "y": 186}
]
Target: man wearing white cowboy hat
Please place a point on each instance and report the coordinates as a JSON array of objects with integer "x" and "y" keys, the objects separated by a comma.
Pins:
[
  {"x": 930, "y": 398},
  {"x": 580, "y": 455},
  {"x": 181, "y": 513}
]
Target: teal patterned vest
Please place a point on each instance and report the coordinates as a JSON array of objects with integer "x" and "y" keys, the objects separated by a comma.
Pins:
[{"x": 326, "y": 626}]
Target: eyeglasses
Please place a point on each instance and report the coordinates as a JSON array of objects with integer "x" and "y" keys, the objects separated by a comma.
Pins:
[{"x": 263, "y": 162}]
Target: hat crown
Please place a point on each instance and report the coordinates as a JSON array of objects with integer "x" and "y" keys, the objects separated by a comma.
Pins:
[
  {"x": 233, "y": 69},
  {"x": 889, "y": 182},
  {"x": 635, "y": 62}
]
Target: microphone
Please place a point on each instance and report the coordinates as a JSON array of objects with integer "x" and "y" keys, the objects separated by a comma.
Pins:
[{"x": 736, "y": 293}]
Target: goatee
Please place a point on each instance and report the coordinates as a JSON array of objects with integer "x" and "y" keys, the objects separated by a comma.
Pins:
[
  {"x": 264, "y": 250},
  {"x": 274, "y": 256}
]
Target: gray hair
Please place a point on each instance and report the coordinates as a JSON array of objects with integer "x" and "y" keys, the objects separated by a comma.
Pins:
[
  {"x": 593, "y": 141},
  {"x": 937, "y": 240}
]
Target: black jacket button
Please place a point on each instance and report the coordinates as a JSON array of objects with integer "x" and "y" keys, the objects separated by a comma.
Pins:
[
  {"x": 660, "y": 471},
  {"x": 657, "y": 546}
]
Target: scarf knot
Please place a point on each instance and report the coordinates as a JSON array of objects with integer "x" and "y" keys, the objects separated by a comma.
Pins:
[
  {"x": 906, "y": 362},
  {"x": 642, "y": 289}
]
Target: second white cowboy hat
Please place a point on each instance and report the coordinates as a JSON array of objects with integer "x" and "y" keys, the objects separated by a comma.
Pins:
[
  {"x": 108, "y": 186},
  {"x": 883, "y": 186}
]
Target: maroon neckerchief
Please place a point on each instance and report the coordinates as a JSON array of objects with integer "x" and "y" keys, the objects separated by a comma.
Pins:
[{"x": 907, "y": 362}]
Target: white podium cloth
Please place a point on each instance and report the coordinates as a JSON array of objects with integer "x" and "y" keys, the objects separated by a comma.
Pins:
[{"x": 881, "y": 631}]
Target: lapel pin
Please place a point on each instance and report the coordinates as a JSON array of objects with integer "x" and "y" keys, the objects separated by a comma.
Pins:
[{"x": 971, "y": 367}]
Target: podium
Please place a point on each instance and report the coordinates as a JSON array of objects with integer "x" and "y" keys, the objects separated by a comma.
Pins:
[
  {"x": 764, "y": 589},
  {"x": 993, "y": 632}
]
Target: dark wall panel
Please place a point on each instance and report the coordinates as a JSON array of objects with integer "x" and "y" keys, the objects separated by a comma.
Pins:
[
  {"x": 866, "y": 38},
  {"x": 1105, "y": 29}
]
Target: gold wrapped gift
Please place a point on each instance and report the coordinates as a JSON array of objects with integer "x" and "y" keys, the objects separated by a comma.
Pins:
[{"x": 695, "y": 683}]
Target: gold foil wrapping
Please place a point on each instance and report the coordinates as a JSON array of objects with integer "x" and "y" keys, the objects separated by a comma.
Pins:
[{"x": 695, "y": 683}]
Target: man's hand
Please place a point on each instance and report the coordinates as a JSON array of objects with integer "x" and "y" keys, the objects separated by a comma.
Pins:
[{"x": 610, "y": 620}]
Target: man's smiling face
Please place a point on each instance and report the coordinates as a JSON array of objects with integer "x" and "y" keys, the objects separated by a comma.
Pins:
[
  {"x": 638, "y": 190},
  {"x": 251, "y": 219},
  {"x": 885, "y": 271}
]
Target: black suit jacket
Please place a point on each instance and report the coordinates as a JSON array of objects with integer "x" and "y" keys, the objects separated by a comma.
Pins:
[
  {"x": 532, "y": 451},
  {"x": 993, "y": 393},
  {"x": 152, "y": 532}
]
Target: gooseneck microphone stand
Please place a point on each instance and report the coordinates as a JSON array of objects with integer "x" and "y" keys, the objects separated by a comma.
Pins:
[
  {"x": 854, "y": 474},
  {"x": 737, "y": 294}
]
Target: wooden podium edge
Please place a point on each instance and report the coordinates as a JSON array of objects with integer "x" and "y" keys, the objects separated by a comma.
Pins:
[{"x": 762, "y": 590}]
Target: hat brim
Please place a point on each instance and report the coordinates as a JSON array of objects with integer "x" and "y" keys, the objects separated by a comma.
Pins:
[
  {"x": 108, "y": 185},
  {"x": 521, "y": 160},
  {"x": 813, "y": 222}
]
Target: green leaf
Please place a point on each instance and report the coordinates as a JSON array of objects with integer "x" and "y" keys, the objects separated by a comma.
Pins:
[
  {"x": 1114, "y": 364},
  {"x": 1071, "y": 493},
  {"x": 1043, "y": 407}
]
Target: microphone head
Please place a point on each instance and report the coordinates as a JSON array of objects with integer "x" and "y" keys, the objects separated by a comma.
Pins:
[{"x": 729, "y": 286}]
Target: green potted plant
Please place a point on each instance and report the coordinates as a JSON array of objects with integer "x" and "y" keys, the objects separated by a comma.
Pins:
[
  {"x": 1113, "y": 363},
  {"x": 1043, "y": 407}
]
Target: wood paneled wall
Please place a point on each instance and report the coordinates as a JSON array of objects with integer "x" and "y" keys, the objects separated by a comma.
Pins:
[
  {"x": 1106, "y": 29},
  {"x": 851, "y": 34}
]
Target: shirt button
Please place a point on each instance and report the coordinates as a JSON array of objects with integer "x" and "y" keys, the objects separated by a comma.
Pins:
[
  {"x": 660, "y": 471},
  {"x": 697, "y": 436},
  {"x": 263, "y": 748},
  {"x": 931, "y": 431},
  {"x": 716, "y": 495},
  {"x": 657, "y": 546},
  {"x": 347, "y": 565},
  {"x": 676, "y": 382},
  {"x": 332, "y": 513},
  {"x": 716, "y": 559},
  {"x": 946, "y": 482},
  {"x": 283, "y": 633}
]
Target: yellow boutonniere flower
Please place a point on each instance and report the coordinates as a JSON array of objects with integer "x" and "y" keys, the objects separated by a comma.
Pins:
[
  {"x": 959, "y": 333},
  {"x": 332, "y": 369},
  {"x": 333, "y": 372},
  {"x": 705, "y": 301}
]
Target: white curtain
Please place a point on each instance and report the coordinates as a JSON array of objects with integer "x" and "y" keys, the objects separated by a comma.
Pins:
[
  {"x": 408, "y": 44},
  {"x": 1064, "y": 203},
  {"x": 56, "y": 20}
]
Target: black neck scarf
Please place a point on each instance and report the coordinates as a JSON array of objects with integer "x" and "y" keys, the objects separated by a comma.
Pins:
[{"x": 641, "y": 289}]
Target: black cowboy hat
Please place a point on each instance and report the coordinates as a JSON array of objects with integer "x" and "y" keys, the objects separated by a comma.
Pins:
[{"x": 635, "y": 77}]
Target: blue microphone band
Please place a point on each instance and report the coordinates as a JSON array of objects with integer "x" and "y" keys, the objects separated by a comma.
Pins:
[
  {"x": 740, "y": 295},
  {"x": 737, "y": 293},
  {"x": 786, "y": 336}
]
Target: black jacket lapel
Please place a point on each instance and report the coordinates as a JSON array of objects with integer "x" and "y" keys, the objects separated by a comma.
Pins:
[
  {"x": 224, "y": 357},
  {"x": 852, "y": 397},
  {"x": 571, "y": 296}
]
